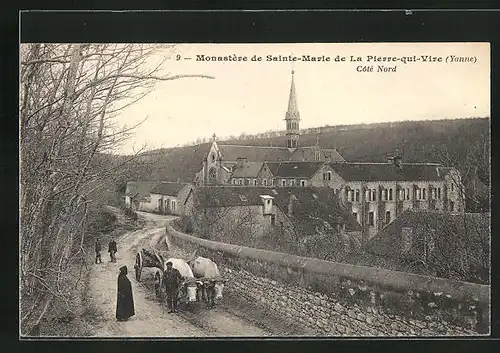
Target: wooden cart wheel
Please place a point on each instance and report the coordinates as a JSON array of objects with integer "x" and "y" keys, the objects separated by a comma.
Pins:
[{"x": 138, "y": 267}]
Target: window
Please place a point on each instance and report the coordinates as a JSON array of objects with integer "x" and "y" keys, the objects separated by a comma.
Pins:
[
  {"x": 268, "y": 202},
  {"x": 357, "y": 194},
  {"x": 317, "y": 155},
  {"x": 385, "y": 195},
  {"x": 173, "y": 205},
  {"x": 234, "y": 181},
  {"x": 355, "y": 215},
  {"x": 406, "y": 239},
  {"x": 264, "y": 182},
  {"x": 402, "y": 194},
  {"x": 452, "y": 206},
  {"x": 374, "y": 195},
  {"x": 292, "y": 182},
  {"x": 390, "y": 194},
  {"x": 255, "y": 182},
  {"x": 272, "y": 182},
  {"x": 371, "y": 219},
  {"x": 387, "y": 217},
  {"x": 352, "y": 194},
  {"x": 212, "y": 157},
  {"x": 423, "y": 193},
  {"x": 452, "y": 186},
  {"x": 283, "y": 182},
  {"x": 247, "y": 181},
  {"x": 240, "y": 181},
  {"x": 407, "y": 193},
  {"x": 327, "y": 176},
  {"x": 302, "y": 183},
  {"x": 212, "y": 174},
  {"x": 439, "y": 193}
]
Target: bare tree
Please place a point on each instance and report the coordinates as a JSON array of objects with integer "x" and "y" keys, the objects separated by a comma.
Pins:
[
  {"x": 452, "y": 246},
  {"x": 70, "y": 96}
]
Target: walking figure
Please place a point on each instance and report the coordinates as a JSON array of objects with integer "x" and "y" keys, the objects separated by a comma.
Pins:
[
  {"x": 98, "y": 251},
  {"x": 172, "y": 279},
  {"x": 112, "y": 250},
  {"x": 125, "y": 299}
]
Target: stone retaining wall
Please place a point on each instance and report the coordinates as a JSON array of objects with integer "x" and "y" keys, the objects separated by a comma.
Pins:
[{"x": 338, "y": 299}]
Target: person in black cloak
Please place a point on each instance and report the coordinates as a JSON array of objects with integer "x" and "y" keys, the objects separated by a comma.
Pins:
[{"x": 125, "y": 300}]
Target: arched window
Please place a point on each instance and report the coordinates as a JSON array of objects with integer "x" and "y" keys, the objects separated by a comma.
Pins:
[
  {"x": 212, "y": 157},
  {"x": 212, "y": 174}
]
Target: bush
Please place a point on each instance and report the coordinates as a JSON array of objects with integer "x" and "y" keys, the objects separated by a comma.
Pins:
[
  {"x": 131, "y": 214},
  {"x": 100, "y": 220},
  {"x": 184, "y": 224}
]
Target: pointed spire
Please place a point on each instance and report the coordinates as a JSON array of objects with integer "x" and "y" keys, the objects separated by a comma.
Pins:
[
  {"x": 214, "y": 137},
  {"x": 292, "y": 99}
]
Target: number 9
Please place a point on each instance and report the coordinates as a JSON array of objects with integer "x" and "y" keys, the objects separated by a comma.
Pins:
[{"x": 178, "y": 57}]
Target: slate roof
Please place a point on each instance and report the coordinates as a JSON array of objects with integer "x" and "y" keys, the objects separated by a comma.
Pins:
[
  {"x": 274, "y": 154},
  {"x": 139, "y": 189},
  {"x": 390, "y": 172},
  {"x": 254, "y": 153},
  {"x": 308, "y": 154},
  {"x": 247, "y": 170},
  {"x": 311, "y": 203},
  {"x": 294, "y": 169},
  {"x": 168, "y": 188}
]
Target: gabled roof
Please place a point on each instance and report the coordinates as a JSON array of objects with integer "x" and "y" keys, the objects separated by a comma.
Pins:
[
  {"x": 247, "y": 170},
  {"x": 294, "y": 169},
  {"x": 312, "y": 205},
  {"x": 254, "y": 153},
  {"x": 139, "y": 189},
  {"x": 307, "y": 153},
  {"x": 390, "y": 172},
  {"x": 168, "y": 188}
]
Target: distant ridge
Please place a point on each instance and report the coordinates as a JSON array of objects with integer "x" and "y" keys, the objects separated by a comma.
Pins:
[{"x": 418, "y": 141}]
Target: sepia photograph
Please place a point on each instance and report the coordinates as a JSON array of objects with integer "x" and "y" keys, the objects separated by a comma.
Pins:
[{"x": 254, "y": 190}]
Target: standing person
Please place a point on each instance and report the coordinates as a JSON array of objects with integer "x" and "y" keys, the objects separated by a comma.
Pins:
[
  {"x": 98, "y": 251},
  {"x": 172, "y": 278},
  {"x": 125, "y": 299},
  {"x": 112, "y": 249}
]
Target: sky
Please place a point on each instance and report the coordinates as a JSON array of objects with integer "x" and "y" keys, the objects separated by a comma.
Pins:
[{"x": 252, "y": 96}]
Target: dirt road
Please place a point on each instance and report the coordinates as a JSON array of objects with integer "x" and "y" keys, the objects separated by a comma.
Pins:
[{"x": 151, "y": 319}]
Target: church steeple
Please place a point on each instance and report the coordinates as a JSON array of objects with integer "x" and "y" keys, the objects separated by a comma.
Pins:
[{"x": 292, "y": 118}]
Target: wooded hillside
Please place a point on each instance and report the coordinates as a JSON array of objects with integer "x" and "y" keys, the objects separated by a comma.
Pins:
[{"x": 418, "y": 141}]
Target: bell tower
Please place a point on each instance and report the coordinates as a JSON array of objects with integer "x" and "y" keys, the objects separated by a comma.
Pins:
[{"x": 292, "y": 118}]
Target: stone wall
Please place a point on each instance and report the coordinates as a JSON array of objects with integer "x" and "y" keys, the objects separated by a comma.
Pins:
[{"x": 338, "y": 299}]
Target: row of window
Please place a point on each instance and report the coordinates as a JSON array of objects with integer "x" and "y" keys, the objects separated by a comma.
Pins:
[
  {"x": 264, "y": 182},
  {"x": 166, "y": 204},
  {"x": 387, "y": 194},
  {"x": 292, "y": 125},
  {"x": 371, "y": 217}
]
